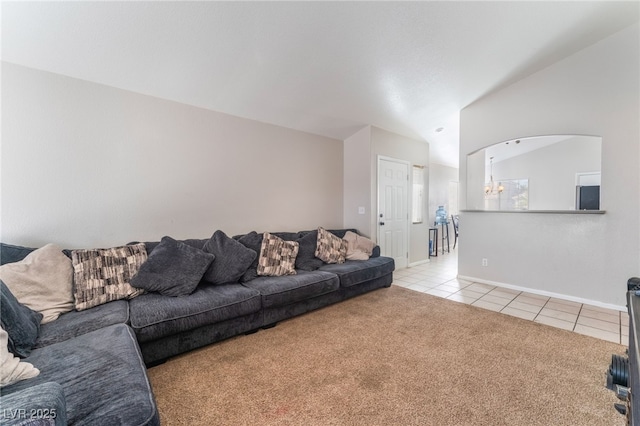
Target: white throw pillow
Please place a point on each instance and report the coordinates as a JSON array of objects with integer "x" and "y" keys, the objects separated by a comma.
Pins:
[
  {"x": 43, "y": 281},
  {"x": 11, "y": 368}
]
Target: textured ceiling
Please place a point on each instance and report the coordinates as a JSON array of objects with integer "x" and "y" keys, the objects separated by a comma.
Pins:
[{"x": 323, "y": 67}]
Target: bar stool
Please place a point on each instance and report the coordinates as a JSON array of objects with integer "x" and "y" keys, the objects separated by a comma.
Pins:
[{"x": 441, "y": 219}]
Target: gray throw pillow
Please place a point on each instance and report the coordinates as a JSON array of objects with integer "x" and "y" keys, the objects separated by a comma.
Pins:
[
  {"x": 21, "y": 323},
  {"x": 306, "y": 259},
  {"x": 253, "y": 241},
  {"x": 173, "y": 268},
  {"x": 232, "y": 259}
]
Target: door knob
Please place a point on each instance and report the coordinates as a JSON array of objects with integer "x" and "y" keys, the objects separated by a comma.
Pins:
[{"x": 381, "y": 223}]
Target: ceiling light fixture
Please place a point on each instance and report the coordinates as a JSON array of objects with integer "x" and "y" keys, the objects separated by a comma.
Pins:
[{"x": 490, "y": 188}]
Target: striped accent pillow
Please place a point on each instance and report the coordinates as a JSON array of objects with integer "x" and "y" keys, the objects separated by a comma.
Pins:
[
  {"x": 330, "y": 248},
  {"x": 103, "y": 275},
  {"x": 277, "y": 256}
]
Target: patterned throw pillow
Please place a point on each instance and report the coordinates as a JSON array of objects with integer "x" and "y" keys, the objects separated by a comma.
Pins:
[
  {"x": 330, "y": 248},
  {"x": 277, "y": 256},
  {"x": 103, "y": 275}
]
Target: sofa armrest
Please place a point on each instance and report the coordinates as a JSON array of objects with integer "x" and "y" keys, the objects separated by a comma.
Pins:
[{"x": 41, "y": 404}]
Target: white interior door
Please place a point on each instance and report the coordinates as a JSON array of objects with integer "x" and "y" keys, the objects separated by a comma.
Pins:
[{"x": 393, "y": 216}]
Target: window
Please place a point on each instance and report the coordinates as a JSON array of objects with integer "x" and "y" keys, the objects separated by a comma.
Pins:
[{"x": 418, "y": 194}]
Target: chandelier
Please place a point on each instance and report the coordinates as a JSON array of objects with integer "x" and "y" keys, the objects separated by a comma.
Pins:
[{"x": 490, "y": 188}]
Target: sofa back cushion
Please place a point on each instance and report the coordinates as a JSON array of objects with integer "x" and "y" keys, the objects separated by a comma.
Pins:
[{"x": 10, "y": 253}]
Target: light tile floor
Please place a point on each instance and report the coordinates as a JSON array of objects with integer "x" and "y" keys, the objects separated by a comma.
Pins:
[{"x": 438, "y": 278}]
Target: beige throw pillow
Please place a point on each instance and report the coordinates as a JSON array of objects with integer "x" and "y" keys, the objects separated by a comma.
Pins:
[
  {"x": 358, "y": 247},
  {"x": 42, "y": 281},
  {"x": 13, "y": 370}
]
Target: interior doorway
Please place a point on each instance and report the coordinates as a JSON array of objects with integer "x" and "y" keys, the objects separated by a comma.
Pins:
[{"x": 393, "y": 211}]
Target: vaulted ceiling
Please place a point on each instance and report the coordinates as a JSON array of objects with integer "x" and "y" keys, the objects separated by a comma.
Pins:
[{"x": 328, "y": 68}]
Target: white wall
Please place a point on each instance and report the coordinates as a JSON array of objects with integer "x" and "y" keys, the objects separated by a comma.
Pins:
[
  {"x": 357, "y": 182},
  {"x": 86, "y": 165},
  {"x": 593, "y": 92}
]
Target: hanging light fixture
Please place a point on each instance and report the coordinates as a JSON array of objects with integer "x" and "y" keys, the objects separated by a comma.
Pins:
[{"x": 490, "y": 188}]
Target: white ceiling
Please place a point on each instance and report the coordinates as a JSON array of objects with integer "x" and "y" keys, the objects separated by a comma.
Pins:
[{"x": 328, "y": 68}]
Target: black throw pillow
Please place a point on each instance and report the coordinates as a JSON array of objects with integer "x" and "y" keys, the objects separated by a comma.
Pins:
[
  {"x": 173, "y": 268},
  {"x": 232, "y": 259},
  {"x": 20, "y": 322}
]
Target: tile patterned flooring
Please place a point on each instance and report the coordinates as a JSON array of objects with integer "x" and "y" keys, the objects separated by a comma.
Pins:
[{"x": 438, "y": 278}]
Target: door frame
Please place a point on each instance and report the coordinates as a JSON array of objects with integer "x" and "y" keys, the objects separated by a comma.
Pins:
[{"x": 408, "y": 201}]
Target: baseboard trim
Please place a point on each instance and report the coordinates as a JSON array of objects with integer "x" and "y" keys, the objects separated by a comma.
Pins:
[
  {"x": 545, "y": 293},
  {"x": 418, "y": 263}
]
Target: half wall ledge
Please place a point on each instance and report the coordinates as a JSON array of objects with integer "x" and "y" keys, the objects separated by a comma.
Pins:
[{"x": 538, "y": 211}]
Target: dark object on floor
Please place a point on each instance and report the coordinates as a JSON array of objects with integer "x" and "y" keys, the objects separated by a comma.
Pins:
[{"x": 618, "y": 373}]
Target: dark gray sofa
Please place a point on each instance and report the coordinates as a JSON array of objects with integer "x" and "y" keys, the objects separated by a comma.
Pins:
[{"x": 103, "y": 350}]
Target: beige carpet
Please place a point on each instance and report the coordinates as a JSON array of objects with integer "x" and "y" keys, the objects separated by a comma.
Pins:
[{"x": 393, "y": 357}]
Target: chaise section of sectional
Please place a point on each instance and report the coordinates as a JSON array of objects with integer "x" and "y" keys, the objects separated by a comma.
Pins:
[
  {"x": 101, "y": 374},
  {"x": 167, "y": 326}
]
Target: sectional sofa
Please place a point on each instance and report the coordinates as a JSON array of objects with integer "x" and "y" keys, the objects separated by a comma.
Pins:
[{"x": 93, "y": 361}]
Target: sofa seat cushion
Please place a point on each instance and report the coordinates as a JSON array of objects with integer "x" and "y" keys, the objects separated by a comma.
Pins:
[
  {"x": 154, "y": 316},
  {"x": 354, "y": 272},
  {"x": 284, "y": 290},
  {"x": 103, "y": 376},
  {"x": 76, "y": 323}
]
